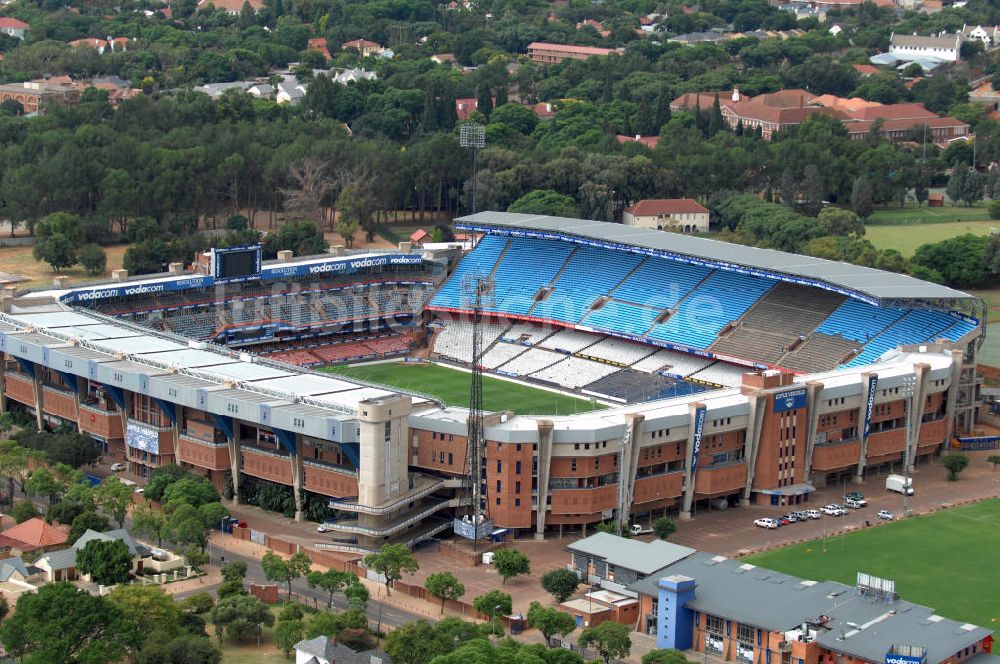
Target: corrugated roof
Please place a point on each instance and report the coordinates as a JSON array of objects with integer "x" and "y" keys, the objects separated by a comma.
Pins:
[
  {"x": 642, "y": 557},
  {"x": 863, "y": 282}
]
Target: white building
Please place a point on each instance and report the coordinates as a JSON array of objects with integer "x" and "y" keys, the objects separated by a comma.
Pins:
[
  {"x": 945, "y": 47},
  {"x": 678, "y": 214},
  {"x": 13, "y": 27}
]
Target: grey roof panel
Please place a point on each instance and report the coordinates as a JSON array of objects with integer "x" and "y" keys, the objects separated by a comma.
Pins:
[
  {"x": 249, "y": 371},
  {"x": 865, "y": 282},
  {"x": 145, "y": 344},
  {"x": 636, "y": 555},
  {"x": 191, "y": 358}
]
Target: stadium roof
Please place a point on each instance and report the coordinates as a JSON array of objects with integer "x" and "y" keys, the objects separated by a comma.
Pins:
[{"x": 865, "y": 283}]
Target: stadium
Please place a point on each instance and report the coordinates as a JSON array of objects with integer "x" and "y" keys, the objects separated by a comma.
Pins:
[{"x": 635, "y": 373}]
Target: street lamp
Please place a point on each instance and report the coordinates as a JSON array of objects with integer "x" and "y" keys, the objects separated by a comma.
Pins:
[
  {"x": 472, "y": 135},
  {"x": 493, "y": 619}
]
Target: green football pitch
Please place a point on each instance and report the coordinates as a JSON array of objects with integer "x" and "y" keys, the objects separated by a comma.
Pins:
[
  {"x": 452, "y": 387},
  {"x": 945, "y": 560}
]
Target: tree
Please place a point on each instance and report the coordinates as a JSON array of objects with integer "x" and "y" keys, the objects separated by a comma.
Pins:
[
  {"x": 392, "y": 561},
  {"x": 114, "y": 497},
  {"x": 92, "y": 258},
  {"x": 610, "y": 639},
  {"x": 235, "y": 571},
  {"x": 24, "y": 510},
  {"x": 665, "y": 656},
  {"x": 185, "y": 649},
  {"x": 58, "y": 623},
  {"x": 149, "y": 608},
  {"x": 331, "y": 581},
  {"x": 57, "y": 250},
  {"x": 347, "y": 228},
  {"x": 835, "y": 221},
  {"x": 281, "y": 570},
  {"x": 550, "y": 621},
  {"x": 544, "y": 202},
  {"x": 495, "y": 602},
  {"x": 955, "y": 463},
  {"x": 664, "y": 527},
  {"x": 287, "y": 634},
  {"x": 161, "y": 478},
  {"x": 955, "y": 188},
  {"x": 106, "y": 562},
  {"x": 561, "y": 583},
  {"x": 240, "y": 617},
  {"x": 148, "y": 521},
  {"x": 195, "y": 491},
  {"x": 961, "y": 261},
  {"x": 511, "y": 563},
  {"x": 187, "y": 527},
  {"x": 995, "y": 460},
  {"x": 198, "y": 603},
  {"x": 88, "y": 521},
  {"x": 444, "y": 586}
]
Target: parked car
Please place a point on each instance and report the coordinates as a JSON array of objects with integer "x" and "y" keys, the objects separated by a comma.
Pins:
[
  {"x": 791, "y": 517},
  {"x": 639, "y": 529},
  {"x": 854, "y": 504},
  {"x": 115, "y": 467},
  {"x": 782, "y": 520},
  {"x": 834, "y": 510},
  {"x": 885, "y": 515},
  {"x": 813, "y": 514},
  {"x": 326, "y": 526},
  {"x": 766, "y": 523},
  {"x": 857, "y": 498}
]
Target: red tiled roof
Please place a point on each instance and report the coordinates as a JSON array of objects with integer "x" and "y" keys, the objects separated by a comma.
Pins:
[
  {"x": 649, "y": 141},
  {"x": 232, "y": 6},
  {"x": 418, "y": 235},
  {"x": 543, "y": 110},
  {"x": 866, "y": 70},
  {"x": 361, "y": 43},
  {"x": 706, "y": 99},
  {"x": 36, "y": 533},
  {"x": 902, "y": 124},
  {"x": 906, "y": 111},
  {"x": 319, "y": 45},
  {"x": 93, "y": 42},
  {"x": 13, "y": 24},
  {"x": 652, "y": 207},
  {"x": 567, "y": 48}
]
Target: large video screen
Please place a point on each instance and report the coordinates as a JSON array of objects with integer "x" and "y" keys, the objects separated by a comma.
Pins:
[{"x": 236, "y": 264}]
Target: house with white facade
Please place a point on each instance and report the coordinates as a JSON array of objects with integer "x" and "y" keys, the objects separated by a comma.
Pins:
[{"x": 943, "y": 47}]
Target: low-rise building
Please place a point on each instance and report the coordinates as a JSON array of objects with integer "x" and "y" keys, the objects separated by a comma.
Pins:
[
  {"x": 33, "y": 535},
  {"x": 649, "y": 141},
  {"x": 13, "y": 27},
  {"x": 596, "y": 25},
  {"x": 364, "y": 47},
  {"x": 319, "y": 45},
  {"x": 944, "y": 47},
  {"x": 61, "y": 565},
  {"x": 689, "y": 101},
  {"x": 680, "y": 214},
  {"x": 234, "y": 7},
  {"x": 324, "y": 650},
  {"x": 546, "y": 53}
]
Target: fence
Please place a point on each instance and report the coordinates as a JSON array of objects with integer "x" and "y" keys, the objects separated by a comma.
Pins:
[{"x": 979, "y": 444}]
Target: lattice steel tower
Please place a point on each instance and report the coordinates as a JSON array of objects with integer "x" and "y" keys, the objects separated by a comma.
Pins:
[{"x": 478, "y": 292}]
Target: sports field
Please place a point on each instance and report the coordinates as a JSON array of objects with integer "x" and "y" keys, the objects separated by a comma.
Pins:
[
  {"x": 945, "y": 560},
  {"x": 452, "y": 387},
  {"x": 906, "y": 238}
]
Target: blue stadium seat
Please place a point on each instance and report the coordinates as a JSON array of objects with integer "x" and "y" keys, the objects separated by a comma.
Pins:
[
  {"x": 859, "y": 321},
  {"x": 482, "y": 259},
  {"x": 527, "y": 266},
  {"x": 660, "y": 283},
  {"x": 589, "y": 274},
  {"x": 622, "y": 317}
]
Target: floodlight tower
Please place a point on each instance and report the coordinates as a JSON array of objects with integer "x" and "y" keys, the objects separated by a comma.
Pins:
[
  {"x": 478, "y": 292},
  {"x": 472, "y": 135}
]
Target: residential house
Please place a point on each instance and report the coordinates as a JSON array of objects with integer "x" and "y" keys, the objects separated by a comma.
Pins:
[
  {"x": 61, "y": 565},
  {"x": 100, "y": 45},
  {"x": 543, "y": 110},
  {"x": 13, "y": 27},
  {"x": 988, "y": 35},
  {"x": 419, "y": 237},
  {"x": 324, "y": 650},
  {"x": 546, "y": 53},
  {"x": 216, "y": 90},
  {"x": 681, "y": 214},
  {"x": 649, "y": 141},
  {"x": 319, "y": 45},
  {"x": 705, "y": 100},
  {"x": 15, "y": 578},
  {"x": 445, "y": 59},
  {"x": 944, "y": 47},
  {"x": 596, "y": 25},
  {"x": 234, "y": 7},
  {"x": 349, "y": 75},
  {"x": 31, "y": 535},
  {"x": 364, "y": 47},
  {"x": 466, "y": 106}
]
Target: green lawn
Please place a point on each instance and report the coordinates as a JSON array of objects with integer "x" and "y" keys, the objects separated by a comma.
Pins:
[
  {"x": 906, "y": 238},
  {"x": 944, "y": 560},
  {"x": 452, "y": 387},
  {"x": 928, "y": 215}
]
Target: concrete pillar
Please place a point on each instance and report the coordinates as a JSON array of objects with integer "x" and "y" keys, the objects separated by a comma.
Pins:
[
  {"x": 36, "y": 388},
  {"x": 175, "y": 269},
  {"x": 296, "y": 461},
  {"x": 751, "y": 444},
  {"x": 814, "y": 389},
  {"x": 922, "y": 374},
  {"x": 119, "y": 275},
  {"x": 628, "y": 465},
  {"x": 3, "y": 381},
  {"x": 234, "y": 464},
  {"x": 405, "y": 247},
  {"x": 60, "y": 281},
  {"x": 957, "y": 362},
  {"x": 285, "y": 255},
  {"x": 383, "y": 469},
  {"x": 544, "y": 465},
  {"x": 693, "y": 442},
  {"x": 864, "y": 412}
]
